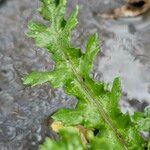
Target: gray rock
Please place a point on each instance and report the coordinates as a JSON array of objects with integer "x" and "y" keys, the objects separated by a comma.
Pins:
[{"x": 25, "y": 111}]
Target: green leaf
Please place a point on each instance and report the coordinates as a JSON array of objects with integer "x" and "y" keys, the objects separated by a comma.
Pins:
[
  {"x": 56, "y": 78},
  {"x": 122, "y": 120},
  {"x": 36, "y": 78},
  {"x": 92, "y": 48},
  {"x": 71, "y": 24},
  {"x": 70, "y": 140},
  {"x": 103, "y": 144},
  {"x": 35, "y": 28},
  {"x": 97, "y": 107},
  {"x": 51, "y": 8},
  {"x": 142, "y": 120},
  {"x": 85, "y": 114},
  {"x": 137, "y": 143}
]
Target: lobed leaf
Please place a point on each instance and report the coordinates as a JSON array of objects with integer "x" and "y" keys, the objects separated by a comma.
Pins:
[
  {"x": 97, "y": 108},
  {"x": 85, "y": 114},
  {"x": 92, "y": 48}
]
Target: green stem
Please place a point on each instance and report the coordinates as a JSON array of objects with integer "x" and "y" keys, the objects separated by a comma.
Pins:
[
  {"x": 90, "y": 95},
  {"x": 92, "y": 98},
  {"x": 96, "y": 101}
]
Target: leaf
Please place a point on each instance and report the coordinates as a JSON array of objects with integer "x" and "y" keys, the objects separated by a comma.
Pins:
[
  {"x": 56, "y": 78},
  {"x": 137, "y": 143},
  {"x": 36, "y": 28},
  {"x": 103, "y": 144},
  {"x": 142, "y": 120},
  {"x": 71, "y": 23},
  {"x": 85, "y": 114},
  {"x": 97, "y": 107},
  {"x": 122, "y": 120},
  {"x": 70, "y": 140},
  {"x": 92, "y": 48},
  {"x": 36, "y": 78}
]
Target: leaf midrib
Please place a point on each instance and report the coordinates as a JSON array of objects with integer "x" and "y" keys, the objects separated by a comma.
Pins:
[{"x": 93, "y": 98}]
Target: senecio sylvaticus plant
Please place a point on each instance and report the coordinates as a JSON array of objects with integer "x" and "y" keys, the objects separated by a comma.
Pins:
[{"x": 97, "y": 122}]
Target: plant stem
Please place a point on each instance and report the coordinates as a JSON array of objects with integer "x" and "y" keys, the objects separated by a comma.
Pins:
[
  {"x": 92, "y": 98},
  {"x": 96, "y": 101}
]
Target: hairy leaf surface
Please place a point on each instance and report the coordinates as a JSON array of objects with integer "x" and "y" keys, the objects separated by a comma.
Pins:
[{"x": 97, "y": 108}]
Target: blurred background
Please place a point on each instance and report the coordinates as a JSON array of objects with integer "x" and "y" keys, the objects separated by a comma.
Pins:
[{"x": 25, "y": 111}]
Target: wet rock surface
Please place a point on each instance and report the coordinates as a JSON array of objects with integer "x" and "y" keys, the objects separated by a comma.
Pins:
[{"x": 24, "y": 111}]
